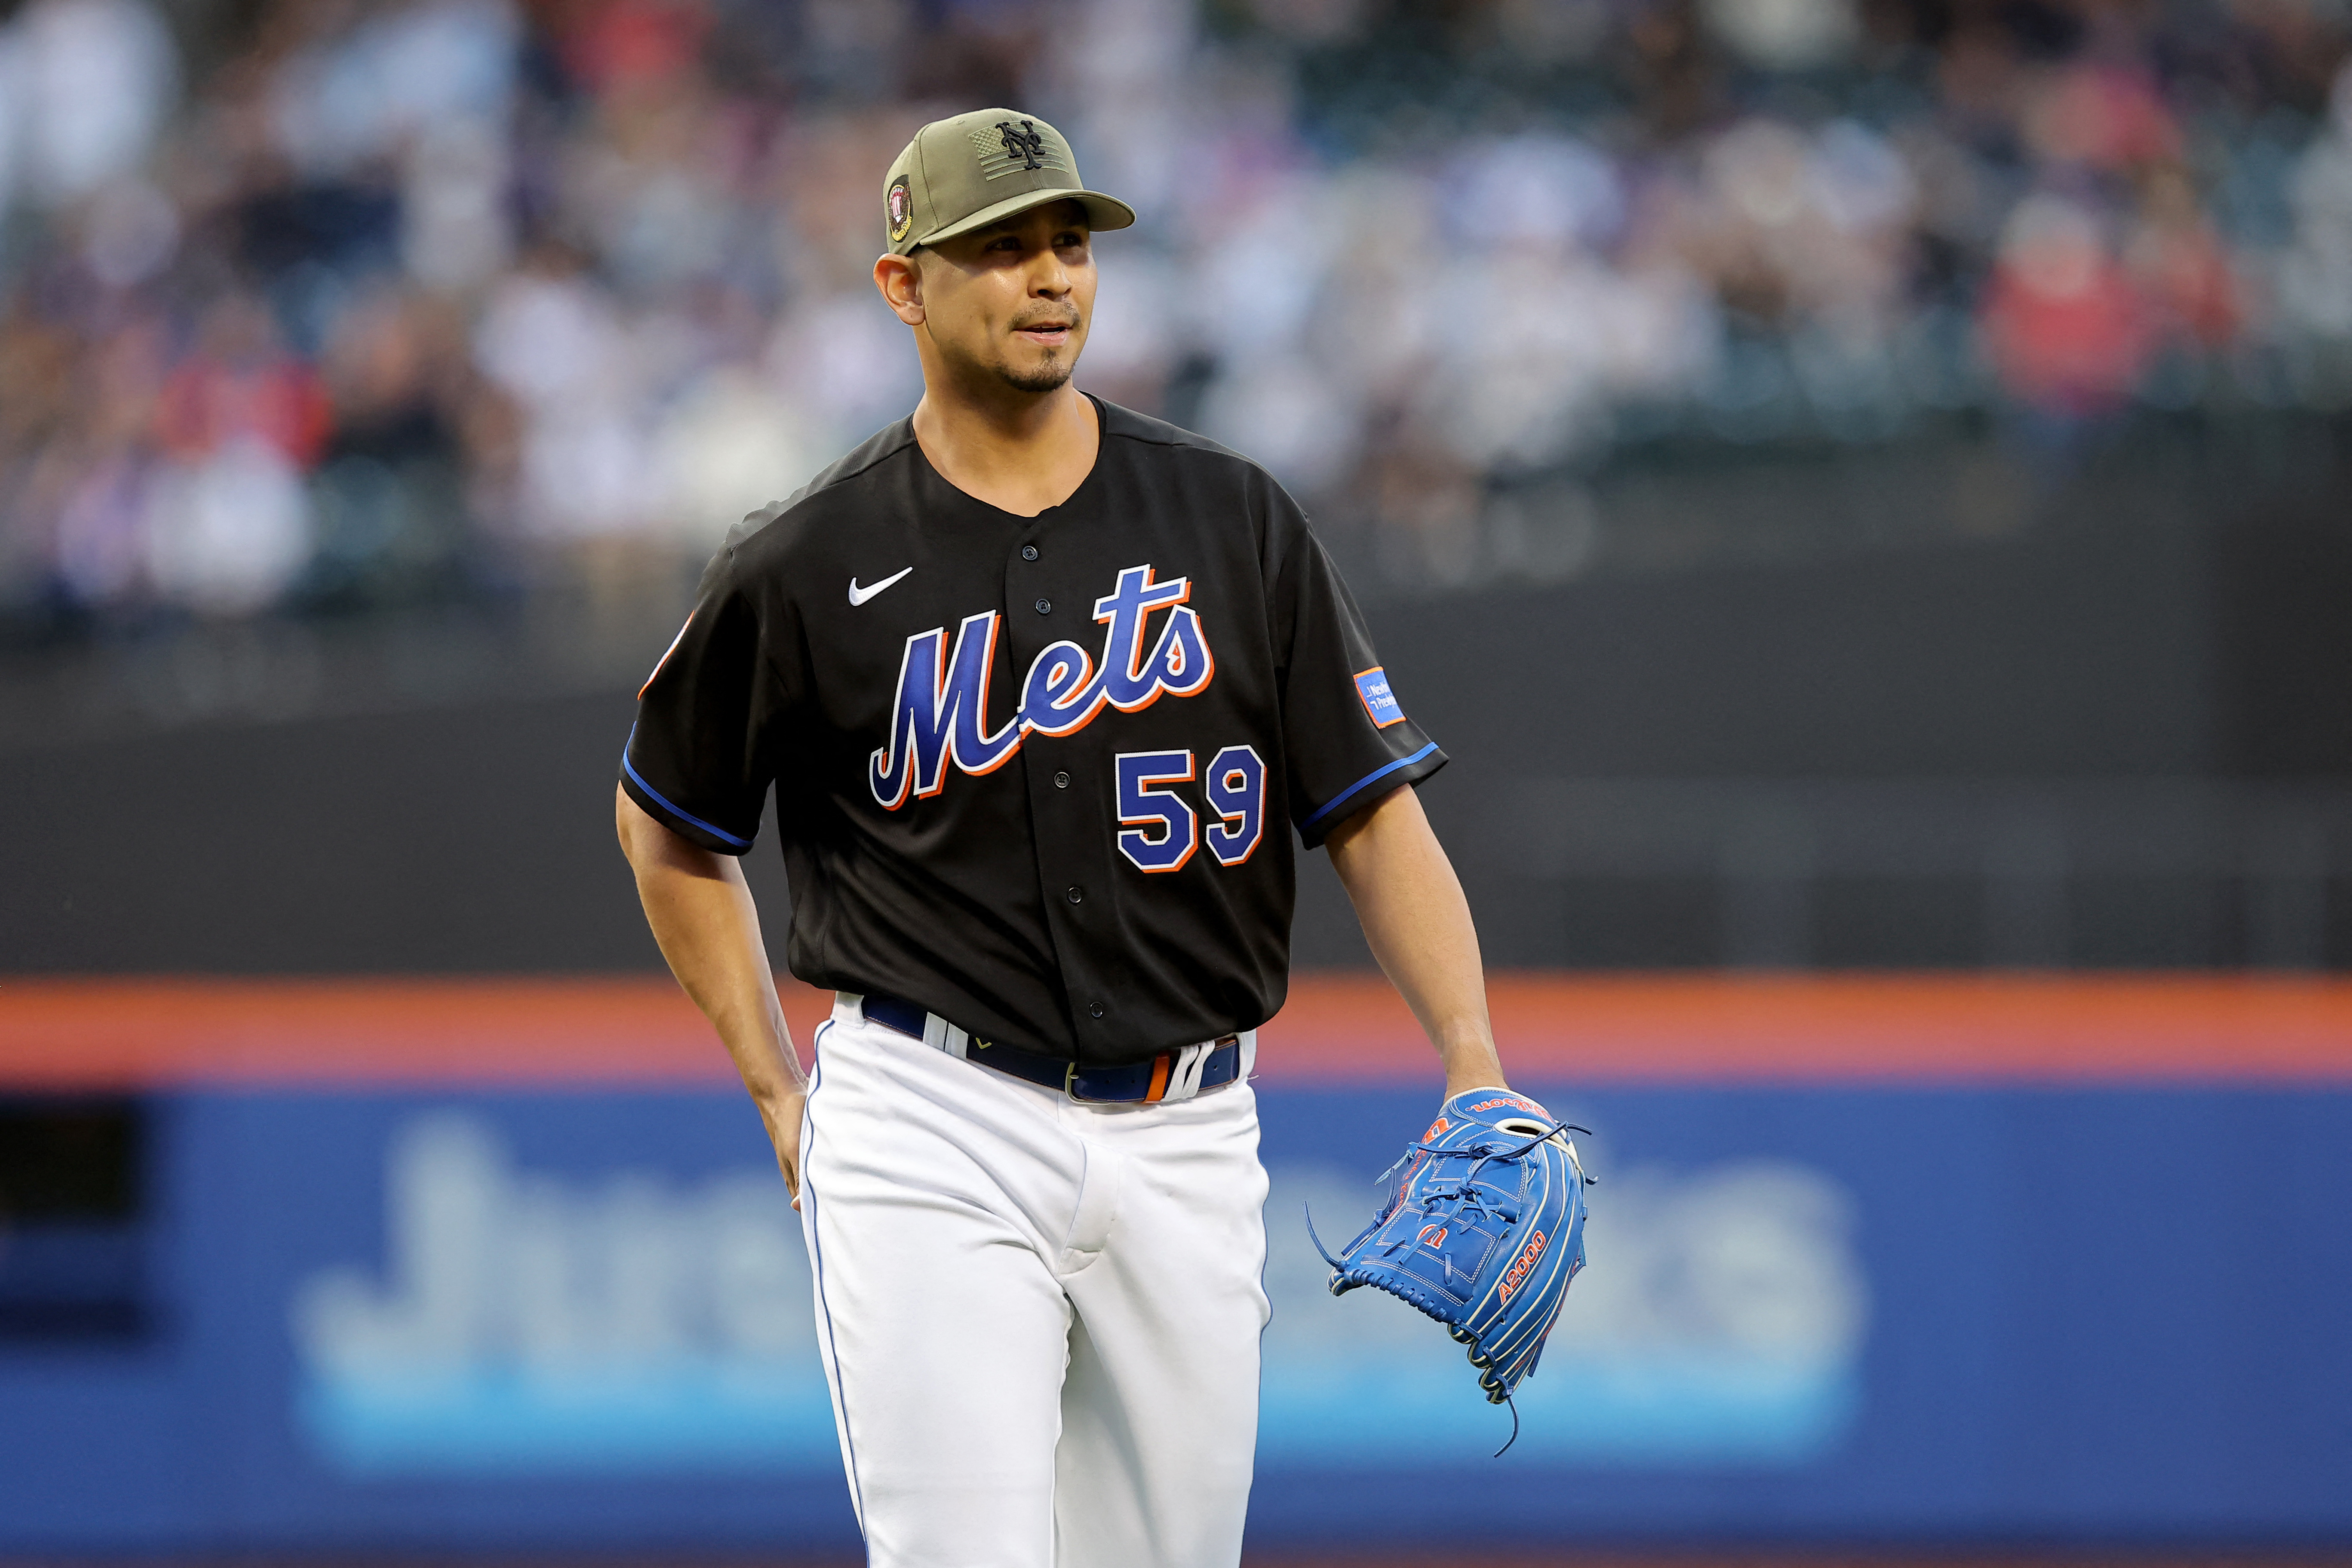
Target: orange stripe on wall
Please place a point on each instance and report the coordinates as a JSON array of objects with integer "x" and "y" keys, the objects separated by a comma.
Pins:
[
  {"x": 105, "y": 1034},
  {"x": 125, "y": 1033},
  {"x": 1892, "y": 1029}
]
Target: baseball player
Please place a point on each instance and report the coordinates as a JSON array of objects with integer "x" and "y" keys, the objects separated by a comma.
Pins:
[{"x": 1041, "y": 686}]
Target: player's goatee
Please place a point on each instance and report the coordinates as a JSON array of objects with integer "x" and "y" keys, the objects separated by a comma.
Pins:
[{"x": 1044, "y": 378}]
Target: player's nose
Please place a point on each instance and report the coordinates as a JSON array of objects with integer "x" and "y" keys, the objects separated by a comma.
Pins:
[{"x": 1049, "y": 277}]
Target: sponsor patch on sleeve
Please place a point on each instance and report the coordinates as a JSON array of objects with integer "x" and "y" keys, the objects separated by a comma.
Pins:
[{"x": 1372, "y": 686}]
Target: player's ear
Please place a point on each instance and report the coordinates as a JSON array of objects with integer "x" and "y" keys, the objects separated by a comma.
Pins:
[{"x": 900, "y": 279}]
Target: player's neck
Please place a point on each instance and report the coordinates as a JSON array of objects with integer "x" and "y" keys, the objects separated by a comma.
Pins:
[{"x": 1019, "y": 454}]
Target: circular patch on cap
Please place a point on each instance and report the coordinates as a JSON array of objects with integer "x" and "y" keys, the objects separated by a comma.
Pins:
[{"x": 901, "y": 203}]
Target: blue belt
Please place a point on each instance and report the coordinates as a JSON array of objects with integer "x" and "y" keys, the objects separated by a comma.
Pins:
[{"x": 1172, "y": 1074}]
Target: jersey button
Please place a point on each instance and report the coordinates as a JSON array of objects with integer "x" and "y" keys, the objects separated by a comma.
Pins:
[
  {"x": 1045, "y": 606},
  {"x": 1097, "y": 1010},
  {"x": 1061, "y": 781},
  {"x": 1075, "y": 893},
  {"x": 1028, "y": 553}
]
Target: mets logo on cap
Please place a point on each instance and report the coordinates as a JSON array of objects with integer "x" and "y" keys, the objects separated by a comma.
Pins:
[{"x": 901, "y": 203}]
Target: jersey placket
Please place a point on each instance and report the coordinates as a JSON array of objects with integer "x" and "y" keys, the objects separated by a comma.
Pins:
[{"x": 1049, "y": 604}]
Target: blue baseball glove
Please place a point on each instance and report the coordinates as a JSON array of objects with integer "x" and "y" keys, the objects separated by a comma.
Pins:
[{"x": 1483, "y": 1230}]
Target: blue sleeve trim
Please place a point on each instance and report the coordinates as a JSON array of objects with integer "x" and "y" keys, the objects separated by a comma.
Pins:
[
  {"x": 667, "y": 804},
  {"x": 1345, "y": 795}
]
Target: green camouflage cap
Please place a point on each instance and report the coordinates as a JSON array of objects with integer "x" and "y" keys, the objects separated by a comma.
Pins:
[{"x": 965, "y": 174}]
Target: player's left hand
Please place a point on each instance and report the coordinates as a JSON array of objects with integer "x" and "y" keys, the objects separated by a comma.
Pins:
[{"x": 1483, "y": 1231}]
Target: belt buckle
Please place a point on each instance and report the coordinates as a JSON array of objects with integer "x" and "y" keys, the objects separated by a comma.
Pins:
[
  {"x": 1163, "y": 1071},
  {"x": 1070, "y": 1087}
]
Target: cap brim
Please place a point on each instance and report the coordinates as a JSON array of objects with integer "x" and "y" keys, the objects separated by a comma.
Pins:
[{"x": 1102, "y": 213}]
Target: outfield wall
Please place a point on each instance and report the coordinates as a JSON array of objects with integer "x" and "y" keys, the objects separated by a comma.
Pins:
[{"x": 488, "y": 1265}]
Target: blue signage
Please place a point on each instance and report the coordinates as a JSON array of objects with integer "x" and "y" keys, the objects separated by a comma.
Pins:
[{"x": 489, "y": 1319}]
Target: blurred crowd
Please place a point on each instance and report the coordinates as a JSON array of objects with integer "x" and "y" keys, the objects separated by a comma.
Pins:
[{"x": 318, "y": 303}]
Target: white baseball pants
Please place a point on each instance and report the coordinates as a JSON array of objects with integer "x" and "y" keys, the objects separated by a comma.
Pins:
[{"x": 1040, "y": 1318}]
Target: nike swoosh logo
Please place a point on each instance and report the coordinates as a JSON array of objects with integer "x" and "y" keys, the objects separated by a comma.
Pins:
[{"x": 858, "y": 596}]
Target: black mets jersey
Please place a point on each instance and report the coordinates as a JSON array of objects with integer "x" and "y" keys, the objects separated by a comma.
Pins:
[{"x": 1035, "y": 774}]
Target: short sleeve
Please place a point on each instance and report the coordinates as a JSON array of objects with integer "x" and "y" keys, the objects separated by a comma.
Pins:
[
  {"x": 700, "y": 758},
  {"x": 1347, "y": 738}
]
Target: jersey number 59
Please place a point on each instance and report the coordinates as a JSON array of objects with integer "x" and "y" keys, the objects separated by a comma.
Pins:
[{"x": 1159, "y": 829}]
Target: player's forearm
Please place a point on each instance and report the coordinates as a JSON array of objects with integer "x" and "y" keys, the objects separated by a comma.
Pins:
[
  {"x": 707, "y": 927},
  {"x": 1418, "y": 926}
]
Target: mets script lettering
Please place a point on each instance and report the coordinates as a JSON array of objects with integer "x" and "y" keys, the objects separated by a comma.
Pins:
[{"x": 941, "y": 711}]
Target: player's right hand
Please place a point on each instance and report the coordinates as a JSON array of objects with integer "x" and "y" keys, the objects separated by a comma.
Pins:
[{"x": 783, "y": 1120}]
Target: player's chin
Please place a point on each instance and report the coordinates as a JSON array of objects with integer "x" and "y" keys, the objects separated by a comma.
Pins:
[{"x": 1045, "y": 371}]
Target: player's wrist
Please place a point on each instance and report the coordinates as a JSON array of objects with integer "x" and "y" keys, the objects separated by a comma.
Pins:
[
  {"x": 780, "y": 1102},
  {"x": 1474, "y": 1065}
]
